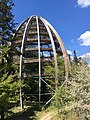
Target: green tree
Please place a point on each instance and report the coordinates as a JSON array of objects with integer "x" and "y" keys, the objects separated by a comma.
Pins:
[
  {"x": 76, "y": 96},
  {"x": 7, "y": 26},
  {"x": 8, "y": 74},
  {"x": 79, "y": 86},
  {"x": 49, "y": 70},
  {"x": 9, "y": 87},
  {"x": 75, "y": 57},
  {"x": 62, "y": 98}
]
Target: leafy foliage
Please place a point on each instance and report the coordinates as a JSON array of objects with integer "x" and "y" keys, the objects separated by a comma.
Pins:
[
  {"x": 80, "y": 88},
  {"x": 76, "y": 95},
  {"x": 62, "y": 98},
  {"x": 49, "y": 70},
  {"x": 6, "y": 20},
  {"x": 9, "y": 83}
]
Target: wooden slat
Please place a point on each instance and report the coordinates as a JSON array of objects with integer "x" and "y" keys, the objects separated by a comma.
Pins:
[
  {"x": 26, "y": 61},
  {"x": 36, "y": 49},
  {"x": 31, "y": 40}
]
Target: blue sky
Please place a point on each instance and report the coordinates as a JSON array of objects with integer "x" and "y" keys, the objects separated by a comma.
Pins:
[{"x": 71, "y": 19}]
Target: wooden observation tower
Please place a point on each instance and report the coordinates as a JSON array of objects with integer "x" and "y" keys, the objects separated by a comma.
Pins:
[{"x": 38, "y": 42}]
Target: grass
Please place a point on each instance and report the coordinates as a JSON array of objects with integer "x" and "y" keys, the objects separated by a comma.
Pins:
[
  {"x": 28, "y": 113},
  {"x": 53, "y": 114},
  {"x": 33, "y": 113}
]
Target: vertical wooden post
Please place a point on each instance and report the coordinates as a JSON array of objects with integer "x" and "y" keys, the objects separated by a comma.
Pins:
[{"x": 39, "y": 61}]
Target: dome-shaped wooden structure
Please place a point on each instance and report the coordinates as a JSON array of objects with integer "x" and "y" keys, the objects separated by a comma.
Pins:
[{"x": 38, "y": 43}]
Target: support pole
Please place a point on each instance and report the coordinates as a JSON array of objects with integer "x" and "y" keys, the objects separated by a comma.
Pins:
[
  {"x": 21, "y": 102},
  {"x": 54, "y": 50},
  {"x": 39, "y": 61},
  {"x": 21, "y": 58}
]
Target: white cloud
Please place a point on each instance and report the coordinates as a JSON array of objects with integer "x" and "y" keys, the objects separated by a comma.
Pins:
[
  {"x": 87, "y": 56},
  {"x": 89, "y": 65},
  {"x": 85, "y": 39},
  {"x": 83, "y": 3},
  {"x": 69, "y": 52}
]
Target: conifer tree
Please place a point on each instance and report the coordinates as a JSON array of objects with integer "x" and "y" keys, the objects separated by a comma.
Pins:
[
  {"x": 75, "y": 57},
  {"x": 8, "y": 74},
  {"x": 49, "y": 70},
  {"x": 79, "y": 86}
]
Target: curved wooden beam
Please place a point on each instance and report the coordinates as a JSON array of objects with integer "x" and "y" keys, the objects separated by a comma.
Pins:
[{"x": 65, "y": 55}]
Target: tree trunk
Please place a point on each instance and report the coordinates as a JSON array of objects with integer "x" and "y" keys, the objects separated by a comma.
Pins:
[{"x": 2, "y": 115}]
